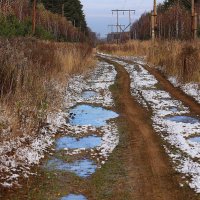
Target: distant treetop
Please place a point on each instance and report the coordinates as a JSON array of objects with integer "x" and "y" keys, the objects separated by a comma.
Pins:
[{"x": 73, "y": 11}]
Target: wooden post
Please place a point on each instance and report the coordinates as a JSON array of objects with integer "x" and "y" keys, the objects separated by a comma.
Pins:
[
  {"x": 152, "y": 26},
  {"x": 34, "y": 17},
  {"x": 154, "y": 21},
  {"x": 194, "y": 21},
  {"x": 195, "y": 25},
  {"x": 63, "y": 10},
  {"x": 118, "y": 35}
]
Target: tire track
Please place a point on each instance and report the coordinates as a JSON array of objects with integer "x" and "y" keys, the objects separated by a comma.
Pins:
[{"x": 151, "y": 175}]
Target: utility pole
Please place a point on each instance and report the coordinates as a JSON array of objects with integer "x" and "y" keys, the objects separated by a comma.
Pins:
[
  {"x": 194, "y": 22},
  {"x": 118, "y": 26},
  {"x": 154, "y": 21},
  {"x": 34, "y": 17}
]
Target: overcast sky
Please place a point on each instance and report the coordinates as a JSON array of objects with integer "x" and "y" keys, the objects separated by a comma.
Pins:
[{"x": 98, "y": 12}]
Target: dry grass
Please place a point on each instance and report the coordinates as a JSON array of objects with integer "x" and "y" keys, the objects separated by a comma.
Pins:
[
  {"x": 175, "y": 58},
  {"x": 33, "y": 74},
  {"x": 136, "y": 48}
]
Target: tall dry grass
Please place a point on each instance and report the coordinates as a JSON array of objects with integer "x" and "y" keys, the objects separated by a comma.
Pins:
[
  {"x": 136, "y": 48},
  {"x": 33, "y": 75},
  {"x": 175, "y": 58}
]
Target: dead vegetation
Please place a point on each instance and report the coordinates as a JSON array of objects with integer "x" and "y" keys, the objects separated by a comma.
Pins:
[
  {"x": 33, "y": 75},
  {"x": 175, "y": 58}
]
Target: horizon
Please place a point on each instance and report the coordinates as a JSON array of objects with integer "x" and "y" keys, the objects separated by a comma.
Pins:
[{"x": 99, "y": 15}]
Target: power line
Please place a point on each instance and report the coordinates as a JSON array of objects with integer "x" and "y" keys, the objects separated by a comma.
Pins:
[{"x": 117, "y": 11}]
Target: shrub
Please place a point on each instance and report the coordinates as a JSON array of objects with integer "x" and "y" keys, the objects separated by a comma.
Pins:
[
  {"x": 43, "y": 34},
  {"x": 10, "y": 26}
]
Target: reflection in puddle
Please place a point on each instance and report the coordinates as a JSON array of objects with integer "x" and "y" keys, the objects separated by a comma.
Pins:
[
  {"x": 184, "y": 119},
  {"x": 90, "y": 115},
  {"x": 89, "y": 94},
  {"x": 173, "y": 109},
  {"x": 195, "y": 139},
  {"x": 74, "y": 143},
  {"x": 73, "y": 197},
  {"x": 82, "y": 168}
]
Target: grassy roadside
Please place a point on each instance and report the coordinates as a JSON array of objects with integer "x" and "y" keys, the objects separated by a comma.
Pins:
[
  {"x": 33, "y": 78},
  {"x": 33, "y": 75},
  {"x": 111, "y": 182},
  {"x": 175, "y": 58}
]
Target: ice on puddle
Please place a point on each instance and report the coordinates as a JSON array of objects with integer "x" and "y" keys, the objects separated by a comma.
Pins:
[
  {"x": 76, "y": 143},
  {"x": 90, "y": 115},
  {"x": 93, "y": 91},
  {"x": 73, "y": 197},
  {"x": 83, "y": 168}
]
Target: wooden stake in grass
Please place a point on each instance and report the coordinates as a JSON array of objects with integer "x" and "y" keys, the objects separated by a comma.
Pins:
[
  {"x": 63, "y": 10},
  {"x": 194, "y": 21},
  {"x": 34, "y": 17}
]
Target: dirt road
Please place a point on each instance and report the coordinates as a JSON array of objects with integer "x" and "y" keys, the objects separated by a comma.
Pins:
[
  {"x": 137, "y": 168},
  {"x": 150, "y": 173}
]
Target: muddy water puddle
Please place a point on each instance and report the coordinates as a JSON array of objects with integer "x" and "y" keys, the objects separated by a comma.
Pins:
[
  {"x": 90, "y": 115},
  {"x": 87, "y": 161},
  {"x": 78, "y": 143},
  {"x": 73, "y": 197},
  {"x": 184, "y": 119},
  {"x": 89, "y": 94},
  {"x": 195, "y": 139},
  {"x": 82, "y": 168},
  {"x": 85, "y": 138}
]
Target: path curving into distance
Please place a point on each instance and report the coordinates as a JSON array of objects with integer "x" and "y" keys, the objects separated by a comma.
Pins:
[{"x": 150, "y": 171}]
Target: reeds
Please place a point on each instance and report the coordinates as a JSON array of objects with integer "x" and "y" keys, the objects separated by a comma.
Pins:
[
  {"x": 33, "y": 75},
  {"x": 137, "y": 48},
  {"x": 174, "y": 58}
]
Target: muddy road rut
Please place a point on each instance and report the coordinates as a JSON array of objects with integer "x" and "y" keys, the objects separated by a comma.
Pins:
[{"x": 150, "y": 173}]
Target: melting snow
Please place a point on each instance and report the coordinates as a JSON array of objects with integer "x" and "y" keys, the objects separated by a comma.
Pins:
[
  {"x": 18, "y": 155},
  {"x": 184, "y": 152}
]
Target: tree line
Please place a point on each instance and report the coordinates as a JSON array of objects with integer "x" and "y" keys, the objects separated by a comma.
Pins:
[
  {"x": 71, "y": 9},
  {"x": 62, "y": 20},
  {"x": 173, "y": 21}
]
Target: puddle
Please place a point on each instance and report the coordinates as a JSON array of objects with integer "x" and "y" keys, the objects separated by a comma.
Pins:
[
  {"x": 82, "y": 168},
  {"x": 195, "y": 139},
  {"x": 90, "y": 115},
  {"x": 89, "y": 94},
  {"x": 73, "y": 197},
  {"x": 184, "y": 119},
  {"x": 74, "y": 143},
  {"x": 174, "y": 109}
]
